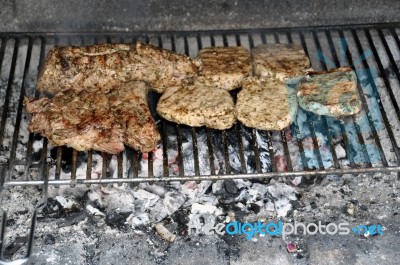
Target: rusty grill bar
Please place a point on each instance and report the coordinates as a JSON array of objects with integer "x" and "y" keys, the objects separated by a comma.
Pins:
[{"x": 313, "y": 146}]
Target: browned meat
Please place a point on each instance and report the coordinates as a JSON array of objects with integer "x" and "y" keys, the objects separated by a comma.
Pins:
[
  {"x": 100, "y": 121},
  {"x": 107, "y": 66},
  {"x": 224, "y": 67}
]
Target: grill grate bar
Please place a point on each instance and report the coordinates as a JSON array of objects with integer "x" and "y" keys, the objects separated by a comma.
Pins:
[
  {"x": 356, "y": 125},
  {"x": 316, "y": 147},
  {"x": 267, "y": 175},
  {"x": 255, "y": 150},
  {"x": 268, "y": 134},
  {"x": 382, "y": 71},
  {"x": 59, "y": 162},
  {"x": 239, "y": 133},
  {"x": 226, "y": 153},
  {"x": 376, "y": 95},
  {"x": 2, "y": 231},
  {"x": 180, "y": 153},
  {"x": 20, "y": 106},
  {"x": 165, "y": 149},
  {"x": 295, "y": 125},
  {"x": 375, "y": 89},
  {"x": 365, "y": 106},
  {"x": 74, "y": 164},
  {"x": 164, "y": 130},
  {"x": 342, "y": 129},
  {"x": 389, "y": 54},
  {"x": 288, "y": 161},
  {"x": 89, "y": 165},
  {"x": 210, "y": 151},
  {"x": 8, "y": 91}
]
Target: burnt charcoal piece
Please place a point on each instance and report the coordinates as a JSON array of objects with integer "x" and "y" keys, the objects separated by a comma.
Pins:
[
  {"x": 230, "y": 187},
  {"x": 181, "y": 217},
  {"x": 49, "y": 239},
  {"x": 53, "y": 209},
  {"x": 72, "y": 219},
  {"x": 11, "y": 249},
  {"x": 10, "y": 222},
  {"x": 117, "y": 220},
  {"x": 255, "y": 208}
]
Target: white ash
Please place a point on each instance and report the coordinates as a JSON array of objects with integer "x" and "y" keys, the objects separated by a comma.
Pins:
[{"x": 94, "y": 211}]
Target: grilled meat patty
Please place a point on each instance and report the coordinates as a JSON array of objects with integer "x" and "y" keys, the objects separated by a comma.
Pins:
[
  {"x": 332, "y": 93},
  {"x": 281, "y": 61},
  {"x": 101, "y": 121},
  {"x": 107, "y": 66},
  {"x": 266, "y": 104},
  {"x": 224, "y": 67},
  {"x": 198, "y": 106}
]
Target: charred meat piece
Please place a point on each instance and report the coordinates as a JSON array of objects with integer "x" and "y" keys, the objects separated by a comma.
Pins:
[
  {"x": 107, "y": 66},
  {"x": 266, "y": 104},
  {"x": 224, "y": 67},
  {"x": 198, "y": 106},
  {"x": 100, "y": 121},
  {"x": 332, "y": 93},
  {"x": 280, "y": 61}
]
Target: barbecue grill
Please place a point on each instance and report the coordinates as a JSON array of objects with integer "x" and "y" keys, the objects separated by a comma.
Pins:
[{"x": 313, "y": 147}]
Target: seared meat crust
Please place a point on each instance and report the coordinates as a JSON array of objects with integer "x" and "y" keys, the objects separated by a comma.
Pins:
[
  {"x": 198, "y": 106},
  {"x": 101, "y": 121},
  {"x": 107, "y": 66},
  {"x": 224, "y": 67},
  {"x": 280, "y": 61},
  {"x": 266, "y": 104}
]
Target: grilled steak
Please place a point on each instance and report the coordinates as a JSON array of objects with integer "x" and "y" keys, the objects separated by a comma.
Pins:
[
  {"x": 266, "y": 104},
  {"x": 197, "y": 106},
  {"x": 107, "y": 66},
  {"x": 332, "y": 92},
  {"x": 101, "y": 121},
  {"x": 224, "y": 67},
  {"x": 281, "y": 61}
]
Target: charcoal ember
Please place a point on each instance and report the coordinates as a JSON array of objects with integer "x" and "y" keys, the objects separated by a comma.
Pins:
[
  {"x": 49, "y": 239},
  {"x": 255, "y": 208},
  {"x": 181, "y": 217},
  {"x": 10, "y": 222},
  {"x": 230, "y": 187},
  {"x": 117, "y": 219},
  {"x": 53, "y": 209}
]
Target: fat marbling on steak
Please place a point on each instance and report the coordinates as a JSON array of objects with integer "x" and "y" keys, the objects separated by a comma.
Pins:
[
  {"x": 106, "y": 66},
  {"x": 105, "y": 122},
  {"x": 198, "y": 105},
  {"x": 332, "y": 93},
  {"x": 224, "y": 67},
  {"x": 266, "y": 104},
  {"x": 279, "y": 60}
]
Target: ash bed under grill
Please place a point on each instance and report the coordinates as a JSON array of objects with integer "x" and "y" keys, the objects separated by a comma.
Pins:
[{"x": 312, "y": 146}]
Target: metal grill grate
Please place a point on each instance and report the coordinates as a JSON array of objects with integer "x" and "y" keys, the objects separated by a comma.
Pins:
[{"x": 314, "y": 145}]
